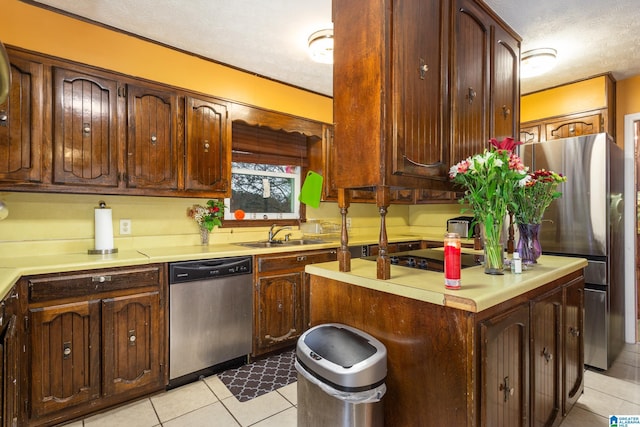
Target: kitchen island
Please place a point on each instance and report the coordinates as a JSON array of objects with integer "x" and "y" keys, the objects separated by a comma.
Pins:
[{"x": 503, "y": 350}]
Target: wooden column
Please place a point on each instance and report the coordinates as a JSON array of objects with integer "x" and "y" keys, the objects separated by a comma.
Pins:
[
  {"x": 383, "y": 199},
  {"x": 344, "y": 256},
  {"x": 510, "y": 238}
]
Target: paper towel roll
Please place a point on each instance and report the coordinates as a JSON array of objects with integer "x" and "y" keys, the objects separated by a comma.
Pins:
[{"x": 103, "y": 229}]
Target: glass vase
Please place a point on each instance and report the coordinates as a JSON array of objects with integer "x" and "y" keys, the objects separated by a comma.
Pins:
[
  {"x": 493, "y": 247},
  {"x": 529, "y": 243},
  {"x": 204, "y": 236}
]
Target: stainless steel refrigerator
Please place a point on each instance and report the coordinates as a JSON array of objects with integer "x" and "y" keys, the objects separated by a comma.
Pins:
[{"x": 587, "y": 221}]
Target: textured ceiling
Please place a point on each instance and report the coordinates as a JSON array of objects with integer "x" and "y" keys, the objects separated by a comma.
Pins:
[{"x": 269, "y": 37}]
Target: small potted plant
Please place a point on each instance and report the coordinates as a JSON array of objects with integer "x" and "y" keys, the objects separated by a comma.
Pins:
[
  {"x": 490, "y": 180},
  {"x": 207, "y": 217},
  {"x": 532, "y": 197}
]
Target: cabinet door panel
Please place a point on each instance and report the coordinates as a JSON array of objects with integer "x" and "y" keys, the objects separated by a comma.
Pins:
[
  {"x": 208, "y": 147},
  {"x": 85, "y": 129},
  {"x": 574, "y": 343},
  {"x": 21, "y": 124},
  {"x": 471, "y": 81},
  {"x": 80, "y": 284},
  {"x": 574, "y": 127},
  {"x": 546, "y": 358},
  {"x": 132, "y": 343},
  {"x": 418, "y": 88},
  {"x": 504, "y": 369},
  {"x": 10, "y": 356},
  {"x": 279, "y": 309},
  {"x": 530, "y": 134},
  {"x": 296, "y": 261},
  {"x": 152, "y": 139},
  {"x": 65, "y": 356},
  {"x": 505, "y": 85}
]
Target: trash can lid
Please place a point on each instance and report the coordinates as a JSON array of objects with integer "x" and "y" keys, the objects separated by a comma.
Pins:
[
  {"x": 343, "y": 357},
  {"x": 339, "y": 345}
]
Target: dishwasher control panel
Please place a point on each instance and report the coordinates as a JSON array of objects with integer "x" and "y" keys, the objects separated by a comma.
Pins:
[{"x": 211, "y": 268}]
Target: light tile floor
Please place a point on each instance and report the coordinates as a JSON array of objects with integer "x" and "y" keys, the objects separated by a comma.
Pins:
[{"x": 208, "y": 403}]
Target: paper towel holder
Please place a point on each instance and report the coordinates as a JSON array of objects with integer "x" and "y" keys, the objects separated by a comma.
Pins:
[{"x": 102, "y": 205}]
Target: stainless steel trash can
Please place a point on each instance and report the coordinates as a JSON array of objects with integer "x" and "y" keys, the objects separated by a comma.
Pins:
[{"x": 341, "y": 374}]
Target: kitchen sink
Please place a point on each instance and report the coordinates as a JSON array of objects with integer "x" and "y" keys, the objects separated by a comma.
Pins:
[
  {"x": 280, "y": 243},
  {"x": 297, "y": 242}
]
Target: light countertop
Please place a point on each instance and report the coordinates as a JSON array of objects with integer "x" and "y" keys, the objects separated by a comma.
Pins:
[
  {"x": 12, "y": 268},
  {"x": 479, "y": 290}
]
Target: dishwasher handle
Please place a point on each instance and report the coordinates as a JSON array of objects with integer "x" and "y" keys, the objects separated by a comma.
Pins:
[{"x": 209, "y": 269}]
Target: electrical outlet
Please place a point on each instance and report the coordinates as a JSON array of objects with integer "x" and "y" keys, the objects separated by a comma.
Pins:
[
  {"x": 125, "y": 226},
  {"x": 348, "y": 222}
]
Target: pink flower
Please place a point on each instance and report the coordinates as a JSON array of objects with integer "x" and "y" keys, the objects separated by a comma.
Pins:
[
  {"x": 507, "y": 144},
  {"x": 461, "y": 167}
]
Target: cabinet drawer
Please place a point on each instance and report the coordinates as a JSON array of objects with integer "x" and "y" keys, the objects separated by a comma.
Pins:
[
  {"x": 292, "y": 261},
  {"x": 69, "y": 285}
]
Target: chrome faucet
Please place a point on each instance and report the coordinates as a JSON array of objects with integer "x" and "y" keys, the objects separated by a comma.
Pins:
[{"x": 272, "y": 233}]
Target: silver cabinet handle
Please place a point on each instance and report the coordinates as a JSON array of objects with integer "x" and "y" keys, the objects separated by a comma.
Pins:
[
  {"x": 66, "y": 350},
  {"x": 101, "y": 279},
  {"x": 423, "y": 68}
]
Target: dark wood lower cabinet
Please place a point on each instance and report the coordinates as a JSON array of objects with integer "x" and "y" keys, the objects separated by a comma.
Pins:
[
  {"x": 546, "y": 359},
  {"x": 515, "y": 364},
  {"x": 572, "y": 333},
  {"x": 96, "y": 338},
  {"x": 10, "y": 373},
  {"x": 504, "y": 369},
  {"x": 65, "y": 356},
  {"x": 279, "y": 317},
  {"x": 132, "y": 345},
  {"x": 281, "y": 298}
]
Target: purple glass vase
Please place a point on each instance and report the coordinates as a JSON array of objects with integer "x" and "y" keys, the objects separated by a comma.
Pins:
[{"x": 529, "y": 243}]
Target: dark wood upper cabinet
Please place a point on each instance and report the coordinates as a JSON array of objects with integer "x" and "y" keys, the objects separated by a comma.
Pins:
[
  {"x": 208, "y": 152},
  {"x": 505, "y": 85},
  {"x": 21, "y": 124},
  {"x": 418, "y": 86},
  {"x": 152, "y": 143},
  {"x": 74, "y": 128},
  {"x": 470, "y": 71},
  {"x": 85, "y": 123}
]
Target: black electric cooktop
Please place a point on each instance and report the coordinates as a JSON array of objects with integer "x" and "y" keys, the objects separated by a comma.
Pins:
[{"x": 428, "y": 259}]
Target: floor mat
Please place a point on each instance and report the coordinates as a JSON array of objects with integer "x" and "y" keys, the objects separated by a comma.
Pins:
[{"x": 250, "y": 381}]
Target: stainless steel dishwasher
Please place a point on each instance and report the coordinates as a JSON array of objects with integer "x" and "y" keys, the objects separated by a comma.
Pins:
[{"x": 210, "y": 316}]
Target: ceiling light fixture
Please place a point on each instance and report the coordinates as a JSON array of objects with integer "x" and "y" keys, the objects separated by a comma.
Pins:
[
  {"x": 321, "y": 46},
  {"x": 537, "y": 61}
]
